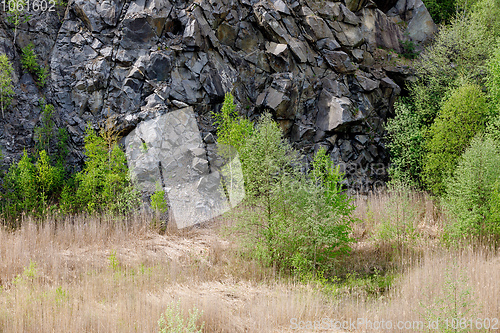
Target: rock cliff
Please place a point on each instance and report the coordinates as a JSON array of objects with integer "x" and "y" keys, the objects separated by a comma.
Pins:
[{"x": 328, "y": 71}]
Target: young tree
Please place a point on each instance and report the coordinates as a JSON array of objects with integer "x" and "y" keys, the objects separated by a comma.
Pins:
[
  {"x": 16, "y": 14},
  {"x": 6, "y": 87},
  {"x": 104, "y": 183},
  {"x": 472, "y": 193}
]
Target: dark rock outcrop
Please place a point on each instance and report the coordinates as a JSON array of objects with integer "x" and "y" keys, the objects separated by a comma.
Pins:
[{"x": 322, "y": 68}]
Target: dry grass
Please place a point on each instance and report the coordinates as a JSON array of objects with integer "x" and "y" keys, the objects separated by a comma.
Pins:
[{"x": 100, "y": 275}]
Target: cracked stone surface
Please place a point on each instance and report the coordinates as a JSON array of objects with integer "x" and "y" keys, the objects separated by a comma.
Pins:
[
  {"x": 168, "y": 151},
  {"x": 127, "y": 64}
]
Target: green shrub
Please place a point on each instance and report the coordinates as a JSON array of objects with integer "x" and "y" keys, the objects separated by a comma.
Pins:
[
  {"x": 406, "y": 145},
  {"x": 102, "y": 186},
  {"x": 304, "y": 224},
  {"x": 320, "y": 213},
  {"x": 493, "y": 128},
  {"x": 294, "y": 221},
  {"x": 104, "y": 182},
  {"x": 158, "y": 202},
  {"x": 20, "y": 186},
  {"x": 495, "y": 209},
  {"x": 49, "y": 178},
  {"x": 493, "y": 78},
  {"x": 29, "y": 59},
  {"x": 266, "y": 159},
  {"x": 458, "y": 54},
  {"x": 53, "y": 141},
  {"x": 265, "y": 156},
  {"x": 409, "y": 49},
  {"x": 44, "y": 134},
  {"x": 423, "y": 147},
  {"x": 50, "y": 138},
  {"x": 472, "y": 191},
  {"x": 43, "y": 75},
  {"x": 173, "y": 321},
  {"x": 232, "y": 131},
  {"x": 31, "y": 186},
  {"x": 29, "y": 62},
  {"x": 461, "y": 118},
  {"x": 6, "y": 87}
]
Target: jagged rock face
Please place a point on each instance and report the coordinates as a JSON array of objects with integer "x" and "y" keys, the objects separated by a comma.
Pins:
[
  {"x": 320, "y": 67},
  {"x": 168, "y": 151}
]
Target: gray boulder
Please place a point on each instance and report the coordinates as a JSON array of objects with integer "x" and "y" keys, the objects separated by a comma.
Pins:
[{"x": 335, "y": 112}]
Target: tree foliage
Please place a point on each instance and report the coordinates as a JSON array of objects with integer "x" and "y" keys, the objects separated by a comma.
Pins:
[
  {"x": 423, "y": 147},
  {"x": 6, "y": 87},
  {"x": 31, "y": 186},
  {"x": 29, "y": 62},
  {"x": 17, "y": 14},
  {"x": 458, "y": 54},
  {"x": 442, "y": 11},
  {"x": 472, "y": 191},
  {"x": 104, "y": 182},
  {"x": 232, "y": 131},
  {"x": 406, "y": 144},
  {"x": 292, "y": 220},
  {"x": 462, "y": 117}
]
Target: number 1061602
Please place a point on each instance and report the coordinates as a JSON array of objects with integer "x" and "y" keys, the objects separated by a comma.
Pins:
[{"x": 28, "y": 5}]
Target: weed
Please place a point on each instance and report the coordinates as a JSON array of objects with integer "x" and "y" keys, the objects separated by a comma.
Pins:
[
  {"x": 114, "y": 264},
  {"x": 158, "y": 201},
  {"x": 454, "y": 304},
  {"x": 172, "y": 321}
]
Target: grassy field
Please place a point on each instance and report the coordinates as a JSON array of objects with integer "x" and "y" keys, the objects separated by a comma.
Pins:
[{"x": 100, "y": 275}]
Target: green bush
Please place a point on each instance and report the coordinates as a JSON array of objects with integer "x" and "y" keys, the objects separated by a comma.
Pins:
[
  {"x": 158, "y": 202},
  {"x": 319, "y": 217},
  {"x": 44, "y": 134},
  {"x": 406, "y": 145},
  {"x": 29, "y": 62},
  {"x": 423, "y": 147},
  {"x": 495, "y": 209},
  {"x": 29, "y": 59},
  {"x": 104, "y": 183},
  {"x": 49, "y": 178},
  {"x": 20, "y": 187},
  {"x": 458, "y": 54},
  {"x": 266, "y": 160},
  {"x": 304, "y": 223},
  {"x": 493, "y": 128},
  {"x": 31, "y": 187},
  {"x": 298, "y": 222},
  {"x": 472, "y": 192},
  {"x": 232, "y": 131},
  {"x": 461, "y": 118},
  {"x": 493, "y": 78},
  {"x": 265, "y": 156},
  {"x": 409, "y": 49},
  {"x": 102, "y": 186}
]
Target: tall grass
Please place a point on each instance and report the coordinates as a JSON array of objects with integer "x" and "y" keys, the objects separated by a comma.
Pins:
[{"x": 89, "y": 274}]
